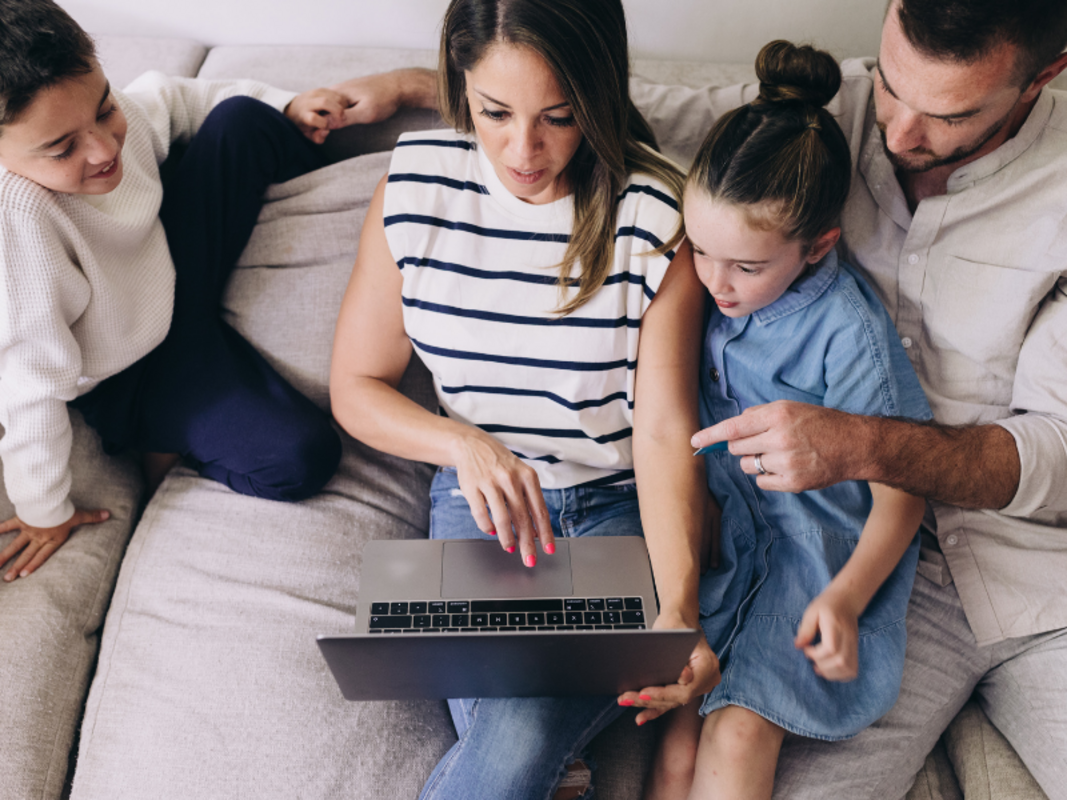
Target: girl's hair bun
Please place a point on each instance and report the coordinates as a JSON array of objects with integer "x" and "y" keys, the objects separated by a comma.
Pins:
[{"x": 788, "y": 73}]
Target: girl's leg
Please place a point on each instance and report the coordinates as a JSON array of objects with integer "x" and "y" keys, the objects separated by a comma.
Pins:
[
  {"x": 207, "y": 393},
  {"x": 671, "y": 775},
  {"x": 737, "y": 755}
]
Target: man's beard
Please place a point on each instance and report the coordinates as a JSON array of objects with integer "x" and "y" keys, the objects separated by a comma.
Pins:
[{"x": 957, "y": 155}]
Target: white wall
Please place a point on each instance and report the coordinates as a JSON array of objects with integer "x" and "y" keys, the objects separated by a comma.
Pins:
[{"x": 719, "y": 30}]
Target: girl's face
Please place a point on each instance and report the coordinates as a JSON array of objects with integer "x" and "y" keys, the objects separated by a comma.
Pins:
[
  {"x": 69, "y": 139},
  {"x": 524, "y": 123},
  {"x": 743, "y": 267}
]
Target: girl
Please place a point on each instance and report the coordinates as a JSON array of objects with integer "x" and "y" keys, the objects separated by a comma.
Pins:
[
  {"x": 806, "y": 609},
  {"x": 532, "y": 258}
]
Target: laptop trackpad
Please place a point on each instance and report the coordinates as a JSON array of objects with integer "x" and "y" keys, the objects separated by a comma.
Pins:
[{"x": 483, "y": 569}]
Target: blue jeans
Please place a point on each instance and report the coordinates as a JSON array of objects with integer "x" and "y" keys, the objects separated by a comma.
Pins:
[
  {"x": 205, "y": 392},
  {"x": 519, "y": 748}
]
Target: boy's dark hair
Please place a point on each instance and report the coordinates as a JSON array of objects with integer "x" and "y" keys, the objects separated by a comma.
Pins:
[
  {"x": 966, "y": 30},
  {"x": 40, "y": 46},
  {"x": 782, "y": 157}
]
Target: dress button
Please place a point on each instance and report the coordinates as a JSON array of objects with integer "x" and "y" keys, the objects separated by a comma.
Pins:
[
  {"x": 951, "y": 540},
  {"x": 907, "y": 342},
  {"x": 913, "y": 259},
  {"x": 714, "y": 375}
]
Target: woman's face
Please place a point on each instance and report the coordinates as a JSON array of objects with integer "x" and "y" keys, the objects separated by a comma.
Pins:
[{"x": 525, "y": 125}]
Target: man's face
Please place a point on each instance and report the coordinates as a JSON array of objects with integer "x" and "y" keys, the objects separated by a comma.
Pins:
[
  {"x": 69, "y": 139},
  {"x": 933, "y": 113}
]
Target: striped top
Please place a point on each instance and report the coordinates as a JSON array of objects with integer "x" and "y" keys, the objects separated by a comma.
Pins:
[{"x": 480, "y": 289}]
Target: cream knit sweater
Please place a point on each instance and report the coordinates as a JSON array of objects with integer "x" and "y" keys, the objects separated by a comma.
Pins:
[{"x": 87, "y": 286}]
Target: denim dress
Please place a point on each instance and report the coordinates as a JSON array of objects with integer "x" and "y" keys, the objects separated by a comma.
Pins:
[{"x": 827, "y": 341}]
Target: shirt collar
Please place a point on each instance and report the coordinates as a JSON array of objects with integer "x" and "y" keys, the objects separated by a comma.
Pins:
[{"x": 804, "y": 291}]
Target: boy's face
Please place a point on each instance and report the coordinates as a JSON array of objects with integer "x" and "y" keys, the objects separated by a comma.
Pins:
[{"x": 69, "y": 139}]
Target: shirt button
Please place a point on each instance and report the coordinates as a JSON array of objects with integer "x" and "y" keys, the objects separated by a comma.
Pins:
[
  {"x": 952, "y": 540},
  {"x": 913, "y": 259},
  {"x": 907, "y": 342},
  {"x": 714, "y": 375}
]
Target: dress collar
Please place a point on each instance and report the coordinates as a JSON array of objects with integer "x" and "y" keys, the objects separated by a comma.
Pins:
[{"x": 805, "y": 290}]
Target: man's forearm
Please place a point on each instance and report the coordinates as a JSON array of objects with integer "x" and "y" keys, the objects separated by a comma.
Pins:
[{"x": 975, "y": 466}]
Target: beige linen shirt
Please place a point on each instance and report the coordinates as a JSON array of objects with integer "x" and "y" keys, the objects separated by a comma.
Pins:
[{"x": 976, "y": 282}]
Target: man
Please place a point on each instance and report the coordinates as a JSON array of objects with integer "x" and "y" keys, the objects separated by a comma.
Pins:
[{"x": 958, "y": 216}]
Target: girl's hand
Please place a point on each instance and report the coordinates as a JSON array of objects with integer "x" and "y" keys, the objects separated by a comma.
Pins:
[
  {"x": 699, "y": 676},
  {"x": 836, "y": 656},
  {"x": 37, "y": 544},
  {"x": 504, "y": 495}
]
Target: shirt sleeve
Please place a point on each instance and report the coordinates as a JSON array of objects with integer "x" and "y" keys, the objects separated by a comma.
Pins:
[
  {"x": 647, "y": 218},
  {"x": 40, "y": 363},
  {"x": 177, "y": 107},
  {"x": 1039, "y": 426}
]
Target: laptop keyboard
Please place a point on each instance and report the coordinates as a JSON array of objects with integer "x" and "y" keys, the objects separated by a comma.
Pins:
[{"x": 484, "y": 616}]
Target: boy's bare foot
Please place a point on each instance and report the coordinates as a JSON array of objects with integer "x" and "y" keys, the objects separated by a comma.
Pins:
[{"x": 155, "y": 467}]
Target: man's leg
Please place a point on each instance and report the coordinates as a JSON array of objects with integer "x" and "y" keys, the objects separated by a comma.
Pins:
[
  {"x": 942, "y": 668},
  {"x": 1025, "y": 697}
]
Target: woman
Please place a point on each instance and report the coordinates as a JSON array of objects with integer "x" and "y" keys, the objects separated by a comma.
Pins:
[{"x": 533, "y": 257}]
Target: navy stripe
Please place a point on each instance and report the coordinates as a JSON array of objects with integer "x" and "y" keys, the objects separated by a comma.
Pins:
[
  {"x": 414, "y": 177},
  {"x": 546, "y": 459},
  {"x": 555, "y": 398},
  {"x": 559, "y": 433},
  {"x": 608, "y": 480},
  {"x": 472, "y": 272},
  {"x": 490, "y": 233},
  {"x": 543, "y": 363},
  {"x": 513, "y": 319},
  {"x": 436, "y": 143},
  {"x": 651, "y": 192}
]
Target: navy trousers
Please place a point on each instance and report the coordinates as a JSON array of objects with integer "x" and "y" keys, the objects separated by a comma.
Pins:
[{"x": 205, "y": 392}]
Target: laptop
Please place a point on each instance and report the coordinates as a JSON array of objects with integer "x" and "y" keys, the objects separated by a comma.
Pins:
[{"x": 462, "y": 618}]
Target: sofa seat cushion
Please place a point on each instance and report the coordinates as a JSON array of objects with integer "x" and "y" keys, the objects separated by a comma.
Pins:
[
  {"x": 125, "y": 57},
  {"x": 50, "y": 622}
]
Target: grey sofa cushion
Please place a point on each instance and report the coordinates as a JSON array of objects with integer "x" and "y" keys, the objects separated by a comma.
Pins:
[
  {"x": 298, "y": 68},
  {"x": 50, "y": 623},
  {"x": 125, "y": 57}
]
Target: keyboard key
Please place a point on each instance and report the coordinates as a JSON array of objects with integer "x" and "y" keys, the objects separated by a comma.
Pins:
[
  {"x": 633, "y": 616},
  {"x": 633, "y": 603},
  {"x": 511, "y": 628},
  {"x": 397, "y": 609},
  {"x": 437, "y": 606},
  {"x": 546, "y": 627},
  {"x": 596, "y": 604},
  {"x": 418, "y": 608},
  {"x": 379, "y": 608},
  {"x": 498, "y": 619},
  {"x": 613, "y": 617},
  {"x": 564, "y": 627},
  {"x": 629, "y": 627},
  {"x": 592, "y": 618},
  {"x": 573, "y": 617},
  {"x": 516, "y": 619},
  {"x": 411, "y": 630},
  {"x": 479, "y": 620},
  {"x": 376, "y": 630},
  {"x": 440, "y": 620},
  {"x": 526, "y": 628},
  {"x": 573, "y": 604},
  {"x": 615, "y": 604},
  {"x": 468, "y": 630},
  {"x": 555, "y": 618},
  {"x": 380, "y": 621},
  {"x": 583, "y": 627},
  {"x": 602, "y": 627},
  {"x": 536, "y": 618},
  {"x": 459, "y": 607},
  {"x": 461, "y": 620},
  {"x": 422, "y": 620},
  {"x": 508, "y": 606}
]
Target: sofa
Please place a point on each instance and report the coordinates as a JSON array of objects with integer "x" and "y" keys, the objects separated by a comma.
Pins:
[{"x": 170, "y": 651}]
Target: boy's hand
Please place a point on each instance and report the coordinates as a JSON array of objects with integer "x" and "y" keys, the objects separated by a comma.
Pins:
[
  {"x": 836, "y": 656},
  {"x": 35, "y": 545},
  {"x": 317, "y": 112},
  {"x": 373, "y": 98}
]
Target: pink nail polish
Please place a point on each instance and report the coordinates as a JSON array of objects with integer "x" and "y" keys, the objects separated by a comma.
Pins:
[
  {"x": 645, "y": 697},
  {"x": 511, "y": 549},
  {"x": 641, "y": 721},
  {"x": 491, "y": 533},
  {"x": 550, "y": 548},
  {"x": 531, "y": 560},
  {"x": 626, "y": 702}
]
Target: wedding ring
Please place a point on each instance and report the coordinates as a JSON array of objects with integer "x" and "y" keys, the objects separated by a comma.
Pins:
[{"x": 759, "y": 465}]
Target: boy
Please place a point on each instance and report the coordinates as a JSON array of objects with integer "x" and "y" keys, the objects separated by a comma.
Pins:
[{"x": 97, "y": 311}]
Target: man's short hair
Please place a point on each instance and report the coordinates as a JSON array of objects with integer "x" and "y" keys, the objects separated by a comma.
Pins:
[
  {"x": 40, "y": 46},
  {"x": 966, "y": 30}
]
